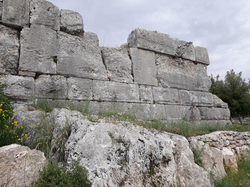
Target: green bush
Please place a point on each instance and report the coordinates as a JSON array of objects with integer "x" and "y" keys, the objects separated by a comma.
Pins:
[
  {"x": 10, "y": 132},
  {"x": 53, "y": 176}
]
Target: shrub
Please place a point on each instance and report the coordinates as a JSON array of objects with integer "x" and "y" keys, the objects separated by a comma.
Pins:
[
  {"x": 10, "y": 132},
  {"x": 53, "y": 176}
]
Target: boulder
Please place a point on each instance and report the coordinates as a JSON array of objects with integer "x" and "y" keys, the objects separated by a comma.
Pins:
[
  {"x": 43, "y": 12},
  {"x": 71, "y": 22},
  {"x": 17, "y": 87},
  {"x": 9, "y": 50},
  {"x": 15, "y": 13},
  {"x": 77, "y": 58},
  {"x": 118, "y": 64},
  {"x": 39, "y": 50},
  {"x": 144, "y": 69},
  {"x": 129, "y": 155},
  {"x": 20, "y": 166},
  {"x": 53, "y": 87}
]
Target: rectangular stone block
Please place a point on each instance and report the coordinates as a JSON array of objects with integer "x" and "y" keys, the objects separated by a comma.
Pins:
[
  {"x": 195, "y": 98},
  {"x": 79, "y": 89},
  {"x": 144, "y": 68},
  {"x": 146, "y": 93},
  {"x": 17, "y": 87},
  {"x": 186, "y": 50},
  {"x": 71, "y": 22},
  {"x": 44, "y": 13},
  {"x": 118, "y": 64},
  {"x": 178, "y": 112},
  {"x": 218, "y": 102},
  {"x": 182, "y": 74},
  {"x": 16, "y": 13},
  {"x": 78, "y": 58},
  {"x": 201, "y": 54},
  {"x": 114, "y": 91},
  {"x": 51, "y": 87},
  {"x": 9, "y": 50},
  {"x": 39, "y": 50},
  {"x": 165, "y": 95},
  {"x": 153, "y": 41},
  {"x": 214, "y": 113}
]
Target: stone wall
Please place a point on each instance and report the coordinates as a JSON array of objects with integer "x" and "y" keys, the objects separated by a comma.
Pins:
[{"x": 45, "y": 53}]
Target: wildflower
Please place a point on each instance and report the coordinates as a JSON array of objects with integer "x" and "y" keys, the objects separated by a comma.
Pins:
[
  {"x": 38, "y": 124},
  {"x": 25, "y": 136}
]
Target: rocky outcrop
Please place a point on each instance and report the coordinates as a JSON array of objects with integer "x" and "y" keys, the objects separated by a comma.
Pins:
[
  {"x": 220, "y": 150},
  {"x": 121, "y": 153},
  {"x": 152, "y": 76},
  {"x": 20, "y": 166}
]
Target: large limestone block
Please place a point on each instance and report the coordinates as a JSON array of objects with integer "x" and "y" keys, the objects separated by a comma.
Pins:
[
  {"x": 195, "y": 98},
  {"x": 79, "y": 89},
  {"x": 201, "y": 54},
  {"x": 186, "y": 50},
  {"x": 78, "y": 58},
  {"x": 9, "y": 50},
  {"x": 214, "y": 113},
  {"x": 44, "y": 13},
  {"x": 178, "y": 113},
  {"x": 16, "y": 13},
  {"x": 153, "y": 41},
  {"x": 91, "y": 38},
  {"x": 144, "y": 69},
  {"x": 183, "y": 74},
  {"x": 146, "y": 93},
  {"x": 38, "y": 50},
  {"x": 20, "y": 166},
  {"x": 71, "y": 22},
  {"x": 118, "y": 64},
  {"x": 114, "y": 91},
  {"x": 54, "y": 87},
  {"x": 18, "y": 87},
  {"x": 165, "y": 95},
  {"x": 219, "y": 103}
]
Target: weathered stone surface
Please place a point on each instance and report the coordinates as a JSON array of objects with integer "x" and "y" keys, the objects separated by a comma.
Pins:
[
  {"x": 195, "y": 98},
  {"x": 118, "y": 64},
  {"x": 144, "y": 69},
  {"x": 9, "y": 50},
  {"x": 186, "y": 50},
  {"x": 114, "y": 91},
  {"x": 54, "y": 87},
  {"x": 91, "y": 38},
  {"x": 16, "y": 13},
  {"x": 79, "y": 59},
  {"x": 39, "y": 50},
  {"x": 219, "y": 103},
  {"x": 128, "y": 151},
  {"x": 27, "y": 73},
  {"x": 20, "y": 166},
  {"x": 214, "y": 113},
  {"x": 18, "y": 87},
  {"x": 71, "y": 22},
  {"x": 146, "y": 93},
  {"x": 166, "y": 95},
  {"x": 1, "y": 9},
  {"x": 79, "y": 89},
  {"x": 201, "y": 54},
  {"x": 43, "y": 12},
  {"x": 183, "y": 74},
  {"x": 153, "y": 41},
  {"x": 218, "y": 150}
]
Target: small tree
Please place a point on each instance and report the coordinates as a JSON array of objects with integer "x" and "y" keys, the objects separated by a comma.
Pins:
[{"x": 234, "y": 90}]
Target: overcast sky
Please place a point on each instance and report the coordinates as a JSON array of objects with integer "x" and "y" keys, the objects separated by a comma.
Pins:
[{"x": 222, "y": 26}]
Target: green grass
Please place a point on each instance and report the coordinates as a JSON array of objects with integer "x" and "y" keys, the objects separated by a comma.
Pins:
[{"x": 240, "y": 179}]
